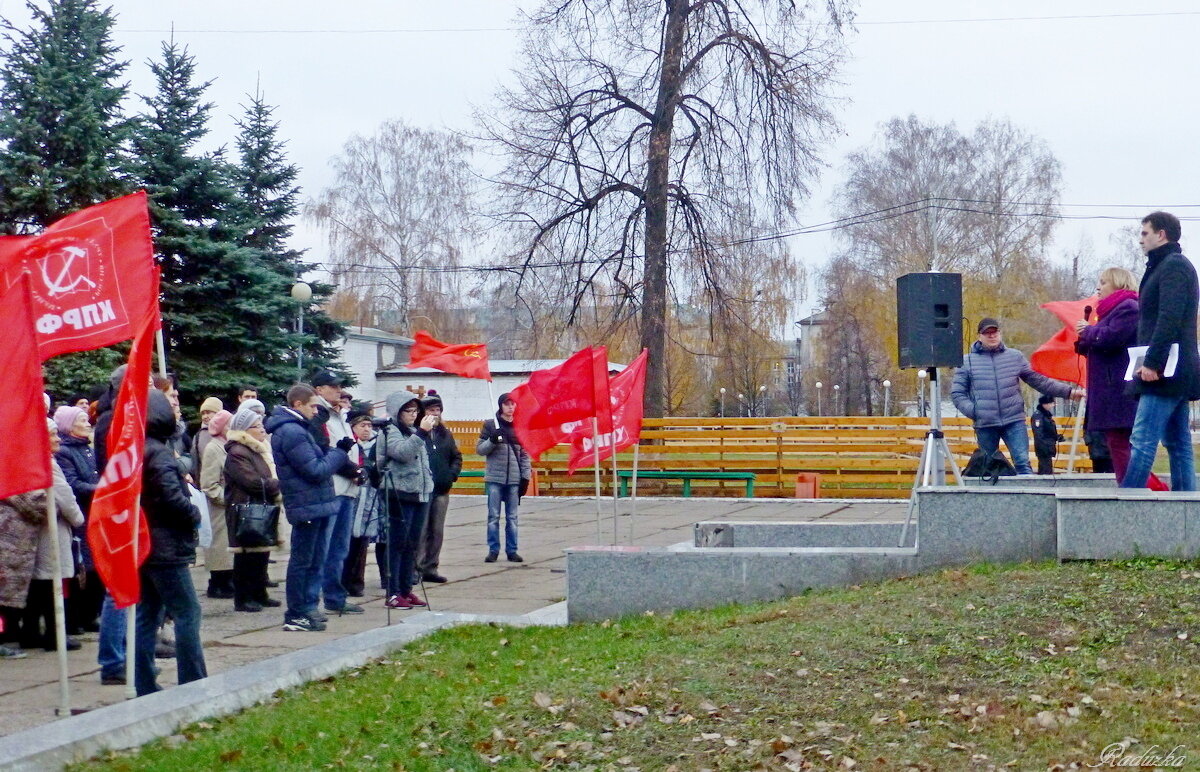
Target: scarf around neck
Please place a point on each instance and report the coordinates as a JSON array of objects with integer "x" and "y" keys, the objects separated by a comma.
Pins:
[{"x": 1112, "y": 301}]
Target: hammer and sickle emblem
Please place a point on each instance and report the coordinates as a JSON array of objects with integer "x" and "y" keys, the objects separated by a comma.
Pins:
[
  {"x": 66, "y": 280},
  {"x": 472, "y": 352}
]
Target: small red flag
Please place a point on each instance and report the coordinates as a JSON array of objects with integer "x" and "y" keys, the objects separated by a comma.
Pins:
[
  {"x": 116, "y": 506},
  {"x": 470, "y": 360},
  {"x": 1056, "y": 358},
  {"x": 535, "y": 441},
  {"x": 25, "y": 453},
  {"x": 627, "y": 390},
  {"x": 573, "y": 391},
  {"x": 92, "y": 276}
]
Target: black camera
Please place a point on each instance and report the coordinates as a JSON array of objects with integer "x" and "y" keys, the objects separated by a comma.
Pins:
[{"x": 381, "y": 423}]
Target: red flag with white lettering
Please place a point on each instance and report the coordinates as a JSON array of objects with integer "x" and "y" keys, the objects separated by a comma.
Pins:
[
  {"x": 536, "y": 441},
  {"x": 627, "y": 389},
  {"x": 25, "y": 452},
  {"x": 470, "y": 360},
  {"x": 92, "y": 276},
  {"x": 573, "y": 391},
  {"x": 116, "y": 505}
]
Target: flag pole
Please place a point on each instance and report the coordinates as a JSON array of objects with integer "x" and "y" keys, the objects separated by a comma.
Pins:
[
  {"x": 60, "y": 623},
  {"x": 596, "y": 467},
  {"x": 613, "y": 445},
  {"x": 637, "y": 449},
  {"x": 1075, "y": 432}
]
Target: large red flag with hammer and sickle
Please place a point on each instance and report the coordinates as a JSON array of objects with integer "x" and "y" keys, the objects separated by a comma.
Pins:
[{"x": 470, "y": 360}]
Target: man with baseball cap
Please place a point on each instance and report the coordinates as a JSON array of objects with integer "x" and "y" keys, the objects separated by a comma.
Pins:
[{"x": 987, "y": 389}]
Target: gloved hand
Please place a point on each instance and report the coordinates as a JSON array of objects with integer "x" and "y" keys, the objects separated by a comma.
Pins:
[
  {"x": 345, "y": 444},
  {"x": 497, "y": 438}
]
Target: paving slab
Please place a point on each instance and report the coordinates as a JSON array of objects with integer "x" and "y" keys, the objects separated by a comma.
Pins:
[{"x": 548, "y": 526}]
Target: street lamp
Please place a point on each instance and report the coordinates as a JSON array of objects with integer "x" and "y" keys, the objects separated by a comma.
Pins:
[
  {"x": 836, "y": 389},
  {"x": 745, "y": 407},
  {"x": 762, "y": 401},
  {"x": 302, "y": 294},
  {"x": 887, "y": 396},
  {"x": 722, "y": 401},
  {"x": 818, "y": 385}
]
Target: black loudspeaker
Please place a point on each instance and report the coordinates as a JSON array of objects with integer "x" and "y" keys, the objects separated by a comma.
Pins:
[{"x": 929, "y": 320}]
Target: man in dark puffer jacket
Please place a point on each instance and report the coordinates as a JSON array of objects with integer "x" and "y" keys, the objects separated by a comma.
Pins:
[
  {"x": 166, "y": 582},
  {"x": 987, "y": 389},
  {"x": 305, "y": 472}
]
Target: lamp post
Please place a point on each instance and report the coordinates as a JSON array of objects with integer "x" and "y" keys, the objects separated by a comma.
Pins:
[
  {"x": 836, "y": 389},
  {"x": 818, "y": 385},
  {"x": 887, "y": 396},
  {"x": 722, "y": 401},
  {"x": 745, "y": 407},
  {"x": 762, "y": 401},
  {"x": 302, "y": 294}
]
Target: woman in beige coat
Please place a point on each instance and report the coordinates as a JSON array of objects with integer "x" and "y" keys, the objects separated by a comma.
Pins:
[{"x": 212, "y": 481}]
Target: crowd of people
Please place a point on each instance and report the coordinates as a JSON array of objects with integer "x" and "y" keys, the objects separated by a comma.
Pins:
[
  {"x": 1132, "y": 408},
  {"x": 318, "y": 476}
]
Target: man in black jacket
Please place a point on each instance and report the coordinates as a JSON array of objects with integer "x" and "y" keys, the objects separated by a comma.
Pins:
[
  {"x": 1045, "y": 434},
  {"x": 1168, "y": 299},
  {"x": 166, "y": 581},
  {"x": 445, "y": 461}
]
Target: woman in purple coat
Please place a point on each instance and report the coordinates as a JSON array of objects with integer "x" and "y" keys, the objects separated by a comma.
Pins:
[{"x": 1106, "y": 346}]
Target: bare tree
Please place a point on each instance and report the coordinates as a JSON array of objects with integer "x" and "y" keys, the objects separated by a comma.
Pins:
[
  {"x": 398, "y": 218},
  {"x": 646, "y": 135}
]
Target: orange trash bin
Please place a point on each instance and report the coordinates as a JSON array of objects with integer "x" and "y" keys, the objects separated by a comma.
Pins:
[{"x": 808, "y": 485}]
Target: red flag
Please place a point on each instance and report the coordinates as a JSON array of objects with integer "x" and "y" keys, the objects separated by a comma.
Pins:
[
  {"x": 92, "y": 276},
  {"x": 470, "y": 360},
  {"x": 25, "y": 454},
  {"x": 536, "y": 441},
  {"x": 627, "y": 391},
  {"x": 573, "y": 391},
  {"x": 117, "y": 498},
  {"x": 1056, "y": 358}
]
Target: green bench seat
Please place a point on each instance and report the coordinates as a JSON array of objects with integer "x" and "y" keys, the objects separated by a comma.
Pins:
[{"x": 687, "y": 475}]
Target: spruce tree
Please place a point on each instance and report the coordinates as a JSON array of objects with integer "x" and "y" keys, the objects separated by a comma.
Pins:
[
  {"x": 61, "y": 135},
  {"x": 220, "y": 317},
  {"x": 267, "y": 206}
]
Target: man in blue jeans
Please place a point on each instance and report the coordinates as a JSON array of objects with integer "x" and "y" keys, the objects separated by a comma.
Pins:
[
  {"x": 1167, "y": 300},
  {"x": 508, "y": 473},
  {"x": 305, "y": 471},
  {"x": 987, "y": 389},
  {"x": 345, "y": 485}
]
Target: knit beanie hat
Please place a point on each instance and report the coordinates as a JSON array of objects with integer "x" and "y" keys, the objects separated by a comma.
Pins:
[
  {"x": 253, "y": 404},
  {"x": 218, "y": 423},
  {"x": 212, "y": 403},
  {"x": 51, "y": 425},
  {"x": 244, "y": 418},
  {"x": 65, "y": 417}
]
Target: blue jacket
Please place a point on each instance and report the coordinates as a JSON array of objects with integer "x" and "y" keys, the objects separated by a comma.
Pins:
[
  {"x": 78, "y": 464},
  {"x": 987, "y": 388},
  {"x": 304, "y": 468},
  {"x": 1106, "y": 345}
]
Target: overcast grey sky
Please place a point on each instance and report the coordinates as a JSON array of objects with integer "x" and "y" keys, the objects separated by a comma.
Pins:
[{"x": 1108, "y": 85}]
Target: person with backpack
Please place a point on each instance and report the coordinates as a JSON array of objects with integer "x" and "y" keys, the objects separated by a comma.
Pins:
[{"x": 987, "y": 389}]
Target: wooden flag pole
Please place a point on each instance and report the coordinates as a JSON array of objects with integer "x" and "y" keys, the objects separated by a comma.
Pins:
[
  {"x": 633, "y": 498},
  {"x": 613, "y": 440},
  {"x": 1075, "y": 432},
  {"x": 596, "y": 467},
  {"x": 60, "y": 623}
]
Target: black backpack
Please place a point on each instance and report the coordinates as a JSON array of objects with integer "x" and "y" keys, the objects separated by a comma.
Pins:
[{"x": 993, "y": 468}]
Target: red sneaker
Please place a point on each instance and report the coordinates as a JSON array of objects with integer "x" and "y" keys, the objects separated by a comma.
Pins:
[
  {"x": 413, "y": 600},
  {"x": 398, "y": 601}
]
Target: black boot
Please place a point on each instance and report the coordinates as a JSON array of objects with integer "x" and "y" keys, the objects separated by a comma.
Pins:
[{"x": 220, "y": 584}]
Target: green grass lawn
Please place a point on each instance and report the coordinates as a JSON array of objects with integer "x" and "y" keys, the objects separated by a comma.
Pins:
[{"x": 1022, "y": 667}]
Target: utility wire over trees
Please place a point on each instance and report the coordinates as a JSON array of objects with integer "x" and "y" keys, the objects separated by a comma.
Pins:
[
  {"x": 983, "y": 204},
  {"x": 644, "y": 135},
  {"x": 402, "y": 199}
]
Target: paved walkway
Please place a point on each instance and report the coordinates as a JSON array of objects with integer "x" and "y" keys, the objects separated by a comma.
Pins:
[{"x": 29, "y": 690}]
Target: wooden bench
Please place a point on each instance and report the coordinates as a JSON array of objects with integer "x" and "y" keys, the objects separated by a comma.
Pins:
[{"x": 687, "y": 475}]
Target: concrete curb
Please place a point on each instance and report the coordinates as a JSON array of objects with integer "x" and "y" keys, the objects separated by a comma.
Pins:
[{"x": 136, "y": 722}]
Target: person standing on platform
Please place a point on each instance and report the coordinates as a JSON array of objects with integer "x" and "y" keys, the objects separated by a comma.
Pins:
[
  {"x": 1168, "y": 298},
  {"x": 1045, "y": 434}
]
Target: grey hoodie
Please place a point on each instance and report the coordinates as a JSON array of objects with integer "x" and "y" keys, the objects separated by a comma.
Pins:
[{"x": 405, "y": 461}]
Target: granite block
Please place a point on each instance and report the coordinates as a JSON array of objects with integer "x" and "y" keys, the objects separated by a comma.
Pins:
[
  {"x": 959, "y": 526},
  {"x": 1128, "y": 523},
  {"x": 1073, "y": 480},
  {"x": 806, "y": 534}
]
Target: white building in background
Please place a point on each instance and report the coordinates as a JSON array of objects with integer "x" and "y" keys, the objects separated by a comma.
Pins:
[{"x": 379, "y": 360}]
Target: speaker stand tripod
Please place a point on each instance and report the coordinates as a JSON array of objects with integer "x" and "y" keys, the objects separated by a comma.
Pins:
[{"x": 935, "y": 453}]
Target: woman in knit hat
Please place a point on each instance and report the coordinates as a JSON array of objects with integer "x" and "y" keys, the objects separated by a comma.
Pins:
[
  {"x": 78, "y": 464},
  {"x": 212, "y": 481},
  {"x": 208, "y": 408},
  {"x": 249, "y": 479}
]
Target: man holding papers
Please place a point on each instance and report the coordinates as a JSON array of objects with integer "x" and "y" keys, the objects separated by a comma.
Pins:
[{"x": 1168, "y": 296}]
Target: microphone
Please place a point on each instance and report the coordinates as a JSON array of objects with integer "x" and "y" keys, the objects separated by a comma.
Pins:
[{"x": 1087, "y": 313}]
